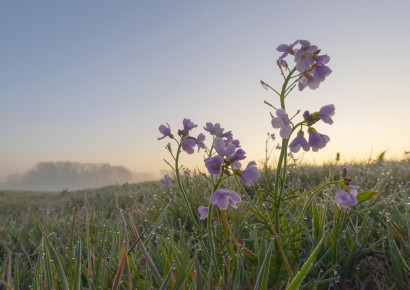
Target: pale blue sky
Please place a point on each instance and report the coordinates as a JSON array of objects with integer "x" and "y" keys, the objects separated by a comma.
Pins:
[{"x": 91, "y": 81}]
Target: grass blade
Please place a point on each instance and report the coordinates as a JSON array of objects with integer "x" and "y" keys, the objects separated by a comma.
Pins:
[
  {"x": 294, "y": 284},
  {"x": 120, "y": 266}
]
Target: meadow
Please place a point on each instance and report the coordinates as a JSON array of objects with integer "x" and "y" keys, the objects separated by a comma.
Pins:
[
  {"x": 139, "y": 236},
  {"x": 280, "y": 225}
]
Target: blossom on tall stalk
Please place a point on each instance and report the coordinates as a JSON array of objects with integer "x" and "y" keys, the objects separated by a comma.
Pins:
[
  {"x": 165, "y": 131},
  {"x": 299, "y": 142},
  {"x": 249, "y": 174},
  {"x": 282, "y": 121},
  {"x": 222, "y": 149},
  {"x": 309, "y": 63},
  {"x": 316, "y": 140},
  {"x": 223, "y": 197},
  {"x": 188, "y": 145},
  {"x": 214, "y": 164},
  {"x": 214, "y": 129},
  {"x": 200, "y": 141},
  {"x": 326, "y": 112}
]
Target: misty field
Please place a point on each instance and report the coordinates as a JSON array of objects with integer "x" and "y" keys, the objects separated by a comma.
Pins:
[{"x": 139, "y": 236}]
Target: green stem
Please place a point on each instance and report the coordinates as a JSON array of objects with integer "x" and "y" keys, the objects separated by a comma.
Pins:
[
  {"x": 210, "y": 232},
  {"x": 181, "y": 189},
  {"x": 278, "y": 191}
]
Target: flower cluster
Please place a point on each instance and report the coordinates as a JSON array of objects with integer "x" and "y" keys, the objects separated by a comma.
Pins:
[
  {"x": 316, "y": 140},
  {"x": 187, "y": 142},
  {"x": 346, "y": 196},
  {"x": 227, "y": 161},
  {"x": 309, "y": 63}
]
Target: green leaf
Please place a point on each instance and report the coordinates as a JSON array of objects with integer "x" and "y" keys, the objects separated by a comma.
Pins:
[
  {"x": 316, "y": 222},
  {"x": 365, "y": 196},
  {"x": 381, "y": 156}
]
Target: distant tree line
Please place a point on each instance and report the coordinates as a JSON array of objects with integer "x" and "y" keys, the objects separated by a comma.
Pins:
[{"x": 72, "y": 175}]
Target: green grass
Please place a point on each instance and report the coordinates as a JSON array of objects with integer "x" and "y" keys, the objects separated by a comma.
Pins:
[{"x": 85, "y": 239}]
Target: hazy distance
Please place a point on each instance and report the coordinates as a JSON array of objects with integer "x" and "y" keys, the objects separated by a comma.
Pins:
[{"x": 66, "y": 175}]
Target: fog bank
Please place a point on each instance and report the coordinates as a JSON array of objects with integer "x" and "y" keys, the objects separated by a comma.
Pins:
[{"x": 66, "y": 175}]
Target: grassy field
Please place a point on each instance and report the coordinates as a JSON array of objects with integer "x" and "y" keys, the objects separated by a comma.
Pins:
[{"x": 139, "y": 236}]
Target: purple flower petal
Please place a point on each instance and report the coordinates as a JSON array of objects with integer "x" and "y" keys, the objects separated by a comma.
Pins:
[
  {"x": 214, "y": 164},
  {"x": 345, "y": 199},
  {"x": 203, "y": 211},
  {"x": 188, "y": 125},
  {"x": 239, "y": 155},
  {"x": 299, "y": 142},
  {"x": 223, "y": 197},
  {"x": 277, "y": 123},
  {"x": 215, "y": 197},
  {"x": 250, "y": 173},
  {"x": 230, "y": 149},
  {"x": 219, "y": 146},
  {"x": 285, "y": 132},
  {"x": 165, "y": 131},
  {"x": 188, "y": 145}
]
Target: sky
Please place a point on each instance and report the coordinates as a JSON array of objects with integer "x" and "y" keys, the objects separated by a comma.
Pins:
[{"x": 91, "y": 81}]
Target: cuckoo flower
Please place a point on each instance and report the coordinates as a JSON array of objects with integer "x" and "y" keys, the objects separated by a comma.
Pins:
[
  {"x": 166, "y": 181},
  {"x": 238, "y": 155},
  {"x": 249, "y": 174},
  {"x": 316, "y": 140},
  {"x": 188, "y": 145},
  {"x": 223, "y": 197},
  {"x": 220, "y": 148},
  {"x": 326, "y": 112},
  {"x": 236, "y": 143},
  {"x": 188, "y": 125},
  {"x": 214, "y": 129},
  {"x": 228, "y": 135},
  {"x": 203, "y": 211},
  {"x": 303, "y": 56},
  {"x": 200, "y": 141},
  {"x": 348, "y": 197},
  {"x": 214, "y": 164},
  {"x": 318, "y": 75},
  {"x": 282, "y": 121},
  {"x": 299, "y": 142},
  {"x": 286, "y": 49},
  {"x": 165, "y": 131}
]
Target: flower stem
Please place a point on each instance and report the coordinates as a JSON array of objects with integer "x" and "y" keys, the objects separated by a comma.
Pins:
[
  {"x": 181, "y": 189},
  {"x": 280, "y": 178}
]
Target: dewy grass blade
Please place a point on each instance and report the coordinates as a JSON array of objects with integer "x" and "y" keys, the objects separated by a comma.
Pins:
[
  {"x": 183, "y": 274},
  {"x": 294, "y": 284},
  {"x": 77, "y": 274},
  {"x": 146, "y": 254},
  {"x": 120, "y": 266},
  {"x": 265, "y": 264},
  {"x": 165, "y": 283},
  {"x": 99, "y": 259},
  {"x": 58, "y": 263}
]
